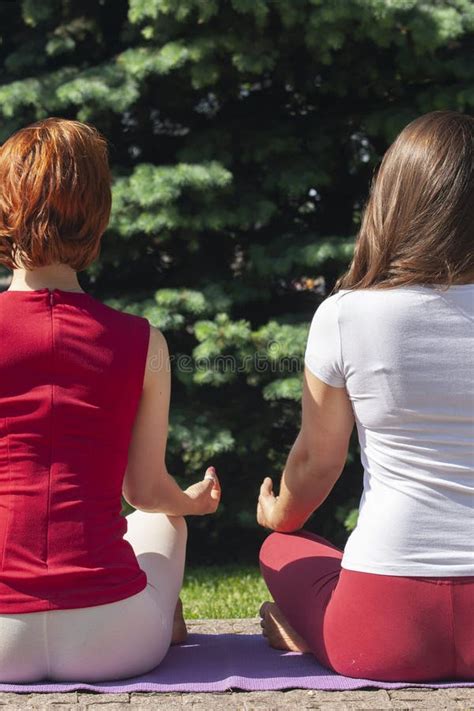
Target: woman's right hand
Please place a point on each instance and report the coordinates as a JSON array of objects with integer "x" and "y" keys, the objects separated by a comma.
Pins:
[{"x": 205, "y": 495}]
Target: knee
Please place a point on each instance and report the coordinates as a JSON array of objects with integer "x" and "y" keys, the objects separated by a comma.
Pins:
[
  {"x": 268, "y": 549},
  {"x": 163, "y": 524},
  {"x": 281, "y": 549},
  {"x": 180, "y": 526}
]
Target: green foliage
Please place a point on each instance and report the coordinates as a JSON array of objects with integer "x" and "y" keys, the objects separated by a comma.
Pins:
[
  {"x": 243, "y": 136},
  {"x": 148, "y": 201},
  {"x": 199, "y": 440},
  {"x": 283, "y": 256},
  {"x": 286, "y": 388},
  {"x": 348, "y": 516}
]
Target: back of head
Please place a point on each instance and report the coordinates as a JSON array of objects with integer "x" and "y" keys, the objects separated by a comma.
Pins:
[
  {"x": 417, "y": 226},
  {"x": 55, "y": 195}
]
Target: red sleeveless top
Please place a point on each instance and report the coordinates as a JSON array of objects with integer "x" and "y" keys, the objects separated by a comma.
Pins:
[{"x": 71, "y": 378}]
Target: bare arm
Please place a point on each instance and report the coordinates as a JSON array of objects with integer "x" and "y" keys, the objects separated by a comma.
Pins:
[
  {"x": 316, "y": 459},
  {"x": 148, "y": 485}
]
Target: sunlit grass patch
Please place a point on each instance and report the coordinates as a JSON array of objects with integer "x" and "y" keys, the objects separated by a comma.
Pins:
[{"x": 223, "y": 592}]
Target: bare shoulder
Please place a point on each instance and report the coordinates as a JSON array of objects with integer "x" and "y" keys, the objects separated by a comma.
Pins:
[
  {"x": 157, "y": 341},
  {"x": 157, "y": 361}
]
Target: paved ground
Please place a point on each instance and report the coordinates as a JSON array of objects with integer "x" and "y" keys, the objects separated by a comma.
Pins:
[{"x": 244, "y": 701}]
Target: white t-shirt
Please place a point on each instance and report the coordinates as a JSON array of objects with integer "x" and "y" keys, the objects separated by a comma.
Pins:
[{"x": 406, "y": 357}]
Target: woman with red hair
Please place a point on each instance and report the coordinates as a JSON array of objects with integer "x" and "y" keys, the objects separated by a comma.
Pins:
[
  {"x": 84, "y": 399},
  {"x": 390, "y": 351}
]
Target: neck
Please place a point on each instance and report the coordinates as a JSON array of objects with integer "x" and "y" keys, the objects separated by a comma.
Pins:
[{"x": 52, "y": 276}]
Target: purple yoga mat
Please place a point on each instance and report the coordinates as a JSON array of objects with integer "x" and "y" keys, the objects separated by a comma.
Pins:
[{"x": 229, "y": 661}]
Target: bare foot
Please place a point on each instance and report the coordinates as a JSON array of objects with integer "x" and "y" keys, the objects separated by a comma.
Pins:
[
  {"x": 278, "y": 632},
  {"x": 180, "y": 632}
]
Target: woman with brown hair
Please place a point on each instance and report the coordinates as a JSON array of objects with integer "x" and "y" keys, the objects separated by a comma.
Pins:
[
  {"x": 391, "y": 350},
  {"x": 85, "y": 593}
]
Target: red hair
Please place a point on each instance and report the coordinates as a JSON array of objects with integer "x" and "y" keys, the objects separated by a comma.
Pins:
[{"x": 55, "y": 194}]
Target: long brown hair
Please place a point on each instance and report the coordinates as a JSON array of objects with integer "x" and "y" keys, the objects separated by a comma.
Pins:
[
  {"x": 55, "y": 194},
  {"x": 418, "y": 223}
]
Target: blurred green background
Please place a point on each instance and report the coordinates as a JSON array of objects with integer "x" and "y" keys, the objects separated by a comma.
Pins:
[{"x": 243, "y": 137}]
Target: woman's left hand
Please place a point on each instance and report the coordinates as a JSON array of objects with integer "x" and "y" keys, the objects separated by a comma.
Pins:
[{"x": 266, "y": 507}]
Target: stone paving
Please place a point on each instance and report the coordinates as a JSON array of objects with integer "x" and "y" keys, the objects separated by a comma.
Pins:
[{"x": 298, "y": 700}]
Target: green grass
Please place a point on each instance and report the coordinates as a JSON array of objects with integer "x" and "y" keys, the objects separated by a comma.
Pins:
[{"x": 223, "y": 592}]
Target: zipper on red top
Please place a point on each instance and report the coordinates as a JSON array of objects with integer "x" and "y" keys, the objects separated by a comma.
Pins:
[{"x": 51, "y": 298}]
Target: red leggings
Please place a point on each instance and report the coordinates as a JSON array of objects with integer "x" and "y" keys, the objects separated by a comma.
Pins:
[{"x": 362, "y": 625}]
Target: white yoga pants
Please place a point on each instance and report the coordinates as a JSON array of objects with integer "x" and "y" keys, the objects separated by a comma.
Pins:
[{"x": 113, "y": 641}]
